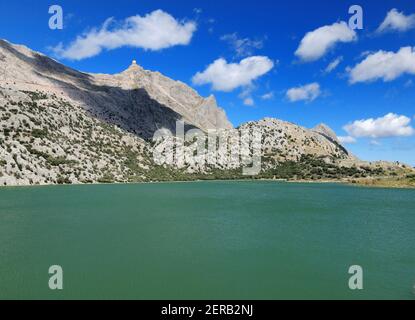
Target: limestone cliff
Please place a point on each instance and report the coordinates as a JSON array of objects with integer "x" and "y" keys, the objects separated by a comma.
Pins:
[{"x": 60, "y": 125}]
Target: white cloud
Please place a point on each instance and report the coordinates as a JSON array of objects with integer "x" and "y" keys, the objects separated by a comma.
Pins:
[
  {"x": 384, "y": 65},
  {"x": 347, "y": 140},
  {"x": 391, "y": 125},
  {"x": 155, "y": 31},
  {"x": 224, "y": 76},
  {"x": 375, "y": 143},
  {"x": 365, "y": 53},
  {"x": 397, "y": 21},
  {"x": 317, "y": 43},
  {"x": 249, "y": 102},
  {"x": 333, "y": 65},
  {"x": 246, "y": 95},
  {"x": 197, "y": 11},
  {"x": 268, "y": 96},
  {"x": 243, "y": 47},
  {"x": 308, "y": 92}
]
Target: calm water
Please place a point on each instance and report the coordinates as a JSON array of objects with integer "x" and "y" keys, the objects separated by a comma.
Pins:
[{"x": 207, "y": 240}]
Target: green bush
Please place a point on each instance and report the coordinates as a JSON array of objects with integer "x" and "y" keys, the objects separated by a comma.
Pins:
[{"x": 40, "y": 133}]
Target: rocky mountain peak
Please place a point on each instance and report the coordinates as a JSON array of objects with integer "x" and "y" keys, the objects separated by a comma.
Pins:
[
  {"x": 326, "y": 131},
  {"x": 211, "y": 99},
  {"x": 134, "y": 67},
  {"x": 137, "y": 100},
  {"x": 60, "y": 125}
]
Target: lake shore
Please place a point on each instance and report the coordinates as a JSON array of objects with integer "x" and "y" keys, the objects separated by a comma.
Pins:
[{"x": 370, "y": 182}]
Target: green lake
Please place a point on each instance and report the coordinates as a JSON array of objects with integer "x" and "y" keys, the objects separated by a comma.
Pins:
[{"x": 207, "y": 240}]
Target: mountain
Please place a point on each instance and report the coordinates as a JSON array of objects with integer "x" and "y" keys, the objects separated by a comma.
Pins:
[
  {"x": 60, "y": 125},
  {"x": 136, "y": 100}
]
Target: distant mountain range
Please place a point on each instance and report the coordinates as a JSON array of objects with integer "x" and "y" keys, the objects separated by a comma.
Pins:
[{"x": 59, "y": 125}]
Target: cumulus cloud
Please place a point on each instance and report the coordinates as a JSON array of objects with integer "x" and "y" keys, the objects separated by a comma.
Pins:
[
  {"x": 249, "y": 101},
  {"x": 317, "y": 43},
  {"x": 384, "y": 65},
  {"x": 246, "y": 96},
  {"x": 391, "y": 125},
  {"x": 154, "y": 31},
  {"x": 268, "y": 96},
  {"x": 397, "y": 21},
  {"x": 243, "y": 47},
  {"x": 307, "y": 92},
  {"x": 224, "y": 76},
  {"x": 333, "y": 65},
  {"x": 346, "y": 140}
]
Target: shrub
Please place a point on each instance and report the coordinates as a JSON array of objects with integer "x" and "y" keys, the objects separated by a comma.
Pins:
[{"x": 39, "y": 133}]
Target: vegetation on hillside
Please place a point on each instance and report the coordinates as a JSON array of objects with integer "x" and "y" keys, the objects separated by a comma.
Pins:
[{"x": 46, "y": 140}]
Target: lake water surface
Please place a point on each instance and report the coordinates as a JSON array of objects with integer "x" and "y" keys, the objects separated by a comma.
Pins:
[{"x": 207, "y": 240}]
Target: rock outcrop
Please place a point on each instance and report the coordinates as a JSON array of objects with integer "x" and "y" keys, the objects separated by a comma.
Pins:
[
  {"x": 60, "y": 125},
  {"x": 137, "y": 100},
  {"x": 326, "y": 131}
]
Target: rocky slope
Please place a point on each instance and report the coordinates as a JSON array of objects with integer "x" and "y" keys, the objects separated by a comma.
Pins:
[
  {"x": 136, "y": 100},
  {"x": 59, "y": 125}
]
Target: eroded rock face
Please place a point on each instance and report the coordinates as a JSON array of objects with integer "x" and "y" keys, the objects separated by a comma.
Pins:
[
  {"x": 287, "y": 141},
  {"x": 59, "y": 125},
  {"x": 137, "y": 100},
  {"x": 326, "y": 131},
  {"x": 47, "y": 140}
]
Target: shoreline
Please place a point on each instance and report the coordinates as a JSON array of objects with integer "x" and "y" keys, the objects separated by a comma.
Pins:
[{"x": 376, "y": 183}]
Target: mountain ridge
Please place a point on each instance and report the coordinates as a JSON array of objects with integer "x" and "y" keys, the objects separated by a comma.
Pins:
[{"x": 60, "y": 125}]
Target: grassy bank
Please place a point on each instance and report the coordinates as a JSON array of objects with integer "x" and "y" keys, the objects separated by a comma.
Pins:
[{"x": 386, "y": 182}]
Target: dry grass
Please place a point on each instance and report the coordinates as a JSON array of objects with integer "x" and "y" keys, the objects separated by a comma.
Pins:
[{"x": 386, "y": 182}]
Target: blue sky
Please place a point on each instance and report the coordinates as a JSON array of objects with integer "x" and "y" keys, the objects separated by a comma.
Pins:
[{"x": 271, "y": 31}]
